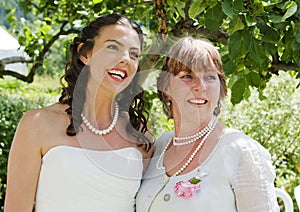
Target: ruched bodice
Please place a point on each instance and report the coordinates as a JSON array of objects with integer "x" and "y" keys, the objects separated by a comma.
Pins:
[{"x": 75, "y": 179}]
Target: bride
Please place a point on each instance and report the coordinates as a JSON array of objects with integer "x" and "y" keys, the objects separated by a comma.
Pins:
[{"x": 86, "y": 152}]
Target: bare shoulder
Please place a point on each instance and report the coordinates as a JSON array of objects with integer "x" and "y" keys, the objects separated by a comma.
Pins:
[
  {"x": 38, "y": 124},
  {"x": 38, "y": 118}
]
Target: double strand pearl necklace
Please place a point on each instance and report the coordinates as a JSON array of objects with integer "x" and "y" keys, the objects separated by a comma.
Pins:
[
  {"x": 196, "y": 136},
  {"x": 159, "y": 164},
  {"x": 104, "y": 131}
]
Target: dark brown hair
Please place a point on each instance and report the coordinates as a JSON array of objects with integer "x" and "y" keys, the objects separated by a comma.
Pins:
[{"x": 130, "y": 99}]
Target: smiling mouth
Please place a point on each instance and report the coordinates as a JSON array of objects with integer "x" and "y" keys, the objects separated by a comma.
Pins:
[
  {"x": 198, "y": 101},
  {"x": 117, "y": 74}
]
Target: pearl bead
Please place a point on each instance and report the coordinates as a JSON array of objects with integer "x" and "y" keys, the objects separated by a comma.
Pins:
[
  {"x": 159, "y": 164},
  {"x": 105, "y": 131},
  {"x": 196, "y": 136}
]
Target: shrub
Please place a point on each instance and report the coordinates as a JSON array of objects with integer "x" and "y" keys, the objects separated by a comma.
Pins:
[
  {"x": 273, "y": 122},
  {"x": 17, "y": 97}
]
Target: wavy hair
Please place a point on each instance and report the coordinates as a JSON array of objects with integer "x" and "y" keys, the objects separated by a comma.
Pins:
[{"x": 75, "y": 67}]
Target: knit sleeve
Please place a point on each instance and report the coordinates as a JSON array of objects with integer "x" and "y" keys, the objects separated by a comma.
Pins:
[{"x": 253, "y": 181}]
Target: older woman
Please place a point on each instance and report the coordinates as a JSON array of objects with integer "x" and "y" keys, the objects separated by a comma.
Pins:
[{"x": 203, "y": 165}]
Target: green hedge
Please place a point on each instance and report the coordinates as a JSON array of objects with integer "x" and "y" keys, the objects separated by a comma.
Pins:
[
  {"x": 275, "y": 123},
  {"x": 15, "y": 98}
]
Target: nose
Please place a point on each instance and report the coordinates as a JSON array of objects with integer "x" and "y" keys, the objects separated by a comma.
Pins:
[
  {"x": 125, "y": 58},
  {"x": 199, "y": 84}
]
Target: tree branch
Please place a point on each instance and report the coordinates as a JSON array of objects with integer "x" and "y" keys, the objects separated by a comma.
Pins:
[
  {"x": 189, "y": 27},
  {"x": 282, "y": 66},
  {"x": 16, "y": 59},
  {"x": 40, "y": 57},
  {"x": 13, "y": 74},
  {"x": 38, "y": 61}
]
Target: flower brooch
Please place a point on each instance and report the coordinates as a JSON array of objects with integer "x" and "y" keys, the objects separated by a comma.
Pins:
[{"x": 187, "y": 189}]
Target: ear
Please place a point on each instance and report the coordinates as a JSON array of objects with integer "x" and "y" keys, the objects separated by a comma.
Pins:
[
  {"x": 84, "y": 58},
  {"x": 167, "y": 94}
]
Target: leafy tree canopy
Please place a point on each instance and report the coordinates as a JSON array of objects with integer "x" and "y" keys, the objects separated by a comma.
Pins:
[{"x": 256, "y": 38}]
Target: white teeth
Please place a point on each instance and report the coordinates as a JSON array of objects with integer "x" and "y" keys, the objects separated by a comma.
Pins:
[
  {"x": 197, "y": 101},
  {"x": 118, "y": 74}
]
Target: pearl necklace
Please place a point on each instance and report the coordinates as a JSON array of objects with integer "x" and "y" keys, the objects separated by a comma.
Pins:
[
  {"x": 159, "y": 164},
  {"x": 196, "y": 136},
  {"x": 105, "y": 131}
]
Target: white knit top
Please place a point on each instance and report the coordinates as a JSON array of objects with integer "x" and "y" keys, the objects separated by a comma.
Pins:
[{"x": 237, "y": 176}]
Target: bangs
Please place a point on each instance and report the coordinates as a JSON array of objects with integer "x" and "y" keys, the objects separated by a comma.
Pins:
[{"x": 194, "y": 56}]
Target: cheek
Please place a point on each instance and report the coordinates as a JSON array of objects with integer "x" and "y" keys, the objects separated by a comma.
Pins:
[
  {"x": 134, "y": 67},
  {"x": 178, "y": 89},
  {"x": 214, "y": 93}
]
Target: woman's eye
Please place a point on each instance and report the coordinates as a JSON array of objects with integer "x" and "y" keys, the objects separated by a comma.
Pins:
[
  {"x": 186, "y": 77},
  {"x": 211, "y": 77},
  {"x": 134, "y": 54},
  {"x": 112, "y": 46}
]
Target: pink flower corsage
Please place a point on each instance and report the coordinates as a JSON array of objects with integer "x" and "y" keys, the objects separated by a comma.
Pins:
[{"x": 187, "y": 189}]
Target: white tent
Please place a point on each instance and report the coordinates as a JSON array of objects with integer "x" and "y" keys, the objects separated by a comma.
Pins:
[{"x": 9, "y": 46}]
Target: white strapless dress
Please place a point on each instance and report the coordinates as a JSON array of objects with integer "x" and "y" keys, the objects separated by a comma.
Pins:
[{"x": 80, "y": 180}]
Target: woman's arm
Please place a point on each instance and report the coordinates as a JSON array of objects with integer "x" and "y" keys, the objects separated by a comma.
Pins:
[
  {"x": 24, "y": 165},
  {"x": 253, "y": 183}
]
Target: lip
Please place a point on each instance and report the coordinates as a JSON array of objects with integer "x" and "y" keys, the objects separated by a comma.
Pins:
[
  {"x": 117, "y": 74},
  {"x": 198, "y": 101}
]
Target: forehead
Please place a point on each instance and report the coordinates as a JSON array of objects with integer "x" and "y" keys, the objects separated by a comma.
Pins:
[
  {"x": 189, "y": 65},
  {"x": 121, "y": 33}
]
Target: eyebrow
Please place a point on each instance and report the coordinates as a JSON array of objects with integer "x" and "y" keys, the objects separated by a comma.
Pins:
[
  {"x": 111, "y": 40},
  {"x": 121, "y": 44}
]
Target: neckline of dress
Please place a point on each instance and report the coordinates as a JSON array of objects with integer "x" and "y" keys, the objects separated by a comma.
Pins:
[
  {"x": 216, "y": 147},
  {"x": 88, "y": 150}
]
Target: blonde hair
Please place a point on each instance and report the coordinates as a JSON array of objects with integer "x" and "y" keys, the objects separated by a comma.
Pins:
[{"x": 190, "y": 55}]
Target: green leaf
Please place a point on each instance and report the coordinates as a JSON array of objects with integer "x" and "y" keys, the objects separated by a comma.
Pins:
[
  {"x": 45, "y": 29},
  {"x": 10, "y": 18},
  {"x": 297, "y": 37},
  {"x": 257, "y": 52},
  {"x": 212, "y": 22},
  {"x": 235, "y": 25},
  {"x": 238, "y": 6},
  {"x": 239, "y": 44},
  {"x": 194, "y": 180},
  {"x": 261, "y": 95},
  {"x": 275, "y": 18},
  {"x": 292, "y": 9},
  {"x": 237, "y": 91},
  {"x": 232, "y": 7},
  {"x": 180, "y": 8},
  {"x": 229, "y": 68},
  {"x": 254, "y": 79},
  {"x": 227, "y": 8},
  {"x": 249, "y": 21},
  {"x": 171, "y": 3},
  {"x": 97, "y": 1},
  {"x": 197, "y": 7},
  {"x": 269, "y": 34}
]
